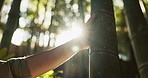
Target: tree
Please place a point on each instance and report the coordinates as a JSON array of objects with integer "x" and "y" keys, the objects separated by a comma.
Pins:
[
  {"x": 11, "y": 24},
  {"x": 128, "y": 62},
  {"x": 138, "y": 32},
  {"x": 104, "y": 61}
]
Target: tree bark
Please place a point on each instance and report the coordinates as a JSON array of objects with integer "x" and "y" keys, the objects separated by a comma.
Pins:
[
  {"x": 11, "y": 24},
  {"x": 138, "y": 32},
  {"x": 104, "y": 61}
]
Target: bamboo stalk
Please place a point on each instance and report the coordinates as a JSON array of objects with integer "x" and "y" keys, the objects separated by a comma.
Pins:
[{"x": 104, "y": 61}]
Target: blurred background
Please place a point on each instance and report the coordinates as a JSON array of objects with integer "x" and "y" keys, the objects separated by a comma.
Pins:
[{"x": 31, "y": 26}]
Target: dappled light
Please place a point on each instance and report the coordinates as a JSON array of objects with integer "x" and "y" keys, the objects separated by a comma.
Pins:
[
  {"x": 19, "y": 36},
  {"x": 142, "y": 7},
  {"x": 118, "y": 35},
  {"x": 74, "y": 31}
]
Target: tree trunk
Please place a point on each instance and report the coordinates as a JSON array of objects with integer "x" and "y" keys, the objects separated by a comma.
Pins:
[
  {"x": 138, "y": 32},
  {"x": 104, "y": 61},
  {"x": 11, "y": 24},
  {"x": 83, "y": 55},
  {"x": 1, "y": 4}
]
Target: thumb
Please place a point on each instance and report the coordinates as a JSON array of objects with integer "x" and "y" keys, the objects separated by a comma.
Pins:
[{"x": 91, "y": 19}]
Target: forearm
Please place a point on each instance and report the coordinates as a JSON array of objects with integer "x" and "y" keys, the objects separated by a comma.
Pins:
[{"x": 45, "y": 61}]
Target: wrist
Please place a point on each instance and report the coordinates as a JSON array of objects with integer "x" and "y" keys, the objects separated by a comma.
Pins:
[{"x": 82, "y": 42}]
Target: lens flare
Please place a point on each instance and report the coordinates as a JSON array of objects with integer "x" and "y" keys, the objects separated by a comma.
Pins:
[
  {"x": 67, "y": 35},
  {"x": 75, "y": 48}
]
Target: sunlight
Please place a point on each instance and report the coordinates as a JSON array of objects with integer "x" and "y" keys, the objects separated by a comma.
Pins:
[
  {"x": 34, "y": 39},
  {"x": 67, "y": 35},
  {"x": 41, "y": 39},
  {"x": 4, "y": 13},
  {"x": 75, "y": 7},
  {"x": 75, "y": 48},
  {"x": 52, "y": 40},
  {"x": 17, "y": 38},
  {"x": 87, "y": 16},
  {"x": 76, "y": 30},
  {"x": 22, "y": 22},
  {"x": 46, "y": 38},
  {"x": 46, "y": 22},
  {"x": 118, "y": 3},
  {"x": 24, "y": 5},
  {"x": 142, "y": 6},
  {"x": 123, "y": 57}
]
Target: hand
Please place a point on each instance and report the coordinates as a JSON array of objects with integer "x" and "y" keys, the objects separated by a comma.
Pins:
[
  {"x": 84, "y": 38},
  {"x": 88, "y": 25},
  {"x": 91, "y": 20}
]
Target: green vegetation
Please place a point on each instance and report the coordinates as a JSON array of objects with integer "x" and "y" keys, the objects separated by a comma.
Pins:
[{"x": 31, "y": 26}]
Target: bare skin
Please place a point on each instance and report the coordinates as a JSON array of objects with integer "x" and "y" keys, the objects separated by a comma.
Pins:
[{"x": 50, "y": 59}]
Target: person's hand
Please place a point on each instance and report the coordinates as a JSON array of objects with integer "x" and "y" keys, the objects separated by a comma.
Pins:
[
  {"x": 91, "y": 20},
  {"x": 85, "y": 34},
  {"x": 88, "y": 25}
]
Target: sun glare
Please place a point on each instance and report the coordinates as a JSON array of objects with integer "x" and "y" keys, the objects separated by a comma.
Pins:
[
  {"x": 19, "y": 36},
  {"x": 72, "y": 32},
  {"x": 67, "y": 35},
  {"x": 76, "y": 30},
  {"x": 75, "y": 48}
]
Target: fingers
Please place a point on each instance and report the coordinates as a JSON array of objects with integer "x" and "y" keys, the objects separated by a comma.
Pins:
[
  {"x": 91, "y": 19},
  {"x": 87, "y": 25}
]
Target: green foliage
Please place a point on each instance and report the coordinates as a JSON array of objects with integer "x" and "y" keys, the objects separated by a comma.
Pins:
[
  {"x": 54, "y": 16},
  {"x": 3, "y": 55},
  {"x": 124, "y": 45},
  {"x": 49, "y": 74},
  {"x": 3, "y": 52}
]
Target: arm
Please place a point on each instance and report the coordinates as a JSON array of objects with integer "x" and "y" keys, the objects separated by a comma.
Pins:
[
  {"x": 45, "y": 61},
  {"x": 50, "y": 59}
]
